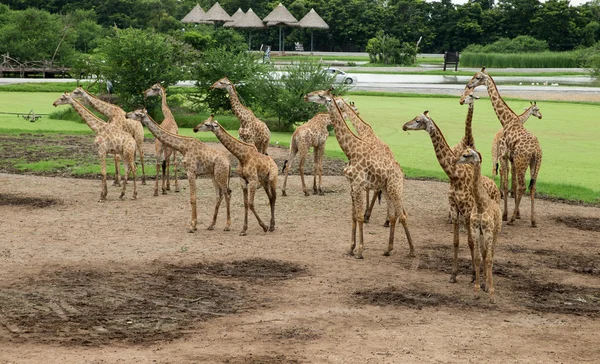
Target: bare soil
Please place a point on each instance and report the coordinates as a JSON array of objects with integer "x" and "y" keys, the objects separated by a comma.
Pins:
[{"x": 123, "y": 281}]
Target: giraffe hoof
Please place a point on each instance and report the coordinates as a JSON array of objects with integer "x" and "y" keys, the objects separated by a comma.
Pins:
[
  {"x": 144, "y": 183},
  {"x": 265, "y": 229},
  {"x": 121, "y": 196},
  {"x": 191, "y": 230},
  {"x": 387, "y": 253},
  {"x": 272, "y": 228},
  {"x": 156, "y": 193},
  {"x": 386, "y": 223},
  {"x": 359, "y": 256},
  {"x": 321, "y": 193},
  {"x": 177, "y": 190},
  {"x": 210, "y": 228},
  {"x": 452, "y": 279},
  {"x": 306, "y": 193},
  {"x": 226, "y": 228},
  {"x": 351, "y": 252},
  {"x": 243, "y": 233},
  {"x": 504, "y": 218},
  {"x": 533, "y": 224},
  {"x": 283, "y": 193},
  {"x": 164, "y": 192}
]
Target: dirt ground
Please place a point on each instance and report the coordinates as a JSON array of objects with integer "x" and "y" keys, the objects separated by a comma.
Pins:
[{"x": 123, "y": 281}]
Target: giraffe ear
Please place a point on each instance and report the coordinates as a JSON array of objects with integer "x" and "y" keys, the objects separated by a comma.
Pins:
[{"x": 483, "y": 69}]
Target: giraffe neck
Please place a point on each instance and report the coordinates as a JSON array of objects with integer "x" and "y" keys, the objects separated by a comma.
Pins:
[
  {"x": 503, "y": 112},
  {"x": 236, "y": 147},
  {"x": 479, "y": 193},
  {"x": 168, "y": 115},
  {"x": 105, "y": 108},
  {"x": 443, "y": 152},
  {"x": 95, "y": 123},
  {"x": 524, "y": 116},
  {"x": 469, "y": 140},
  {"x": 174, "y": 141},
  {"x": 362, "y": 128},
  {"x": 240, "y": 111},
  {"x": 346, "y": 138}
]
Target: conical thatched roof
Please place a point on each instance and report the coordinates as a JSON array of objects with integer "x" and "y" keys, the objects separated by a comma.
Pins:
[
  {"x": 239, "y": 14},
  {"x": 196, "y": 15},
  {"x": 313, "y": 20},
  {"x": 249, "y": 20},
  {"x": 280, "y": 15},
  {"x": 216, "y": 13}
]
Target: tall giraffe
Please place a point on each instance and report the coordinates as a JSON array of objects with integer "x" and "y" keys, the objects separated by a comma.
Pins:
[
  {"x": 522, "y": 146},
  {"x": 485, "y": 222},
  {"x": 116, "y": 115},
  {"x": 254, "y": 168},
  {"x": 534, "y": 110},
  {"x": 366, "y": 133},
  {"x": 109, "y": 139},
  {"x": 252, "y": 129},
  {"x": 367, "y": 168},
  {"x": 197, "y": 159},
  {"x": 313, "y": 134},
  {"x": 163, "y": 153},
  {"x": 461, "y": 178}
]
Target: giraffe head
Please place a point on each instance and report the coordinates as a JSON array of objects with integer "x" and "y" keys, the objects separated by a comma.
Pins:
[
  {"x": 154, "y": 90},
  {"x": 209, "y": 124},
  {"x": 321, "y": 97},
  {"x": 535, "y": 110},
  {"x": 468, "y": 156},
  {"x": 469, "y": 98},
  {"x": 421, "y": 122},
  {"x": 78, "y": 92},
  {"x": 222, "y": 83},
  {"x": 353, "y": 107},
  {"x": 138, "y": 114},
  {"x": 481, "y": 78},
  {"x": 64, "y": 99}
]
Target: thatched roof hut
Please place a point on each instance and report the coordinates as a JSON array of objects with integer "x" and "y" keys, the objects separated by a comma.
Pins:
[
  {"x": 196, "y": 15},
  {"x": 312, "y": 20},
  {"x": 217, "y": 14},
  {"x": 280, "y": 16},
  {"x": 239, "y": 14}
]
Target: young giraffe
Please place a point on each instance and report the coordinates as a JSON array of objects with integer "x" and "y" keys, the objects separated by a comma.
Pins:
[
  {"x": 109, "y": 139},
  {"x": 197, "y": 159},
  {"x": 314, "y": 134},
  {"x": 367, "y": 168},
  {"x": 461, "y": 178},
  {"x": 522, "y": 146},
  {"x": 116, "y": 115},
  {"x": 252, "y": 129},
  {"x": 254, "y": 168},
  {"x": 485, "y": 223},
  {"x": 164, "y": 152},
  {"x": 366, "y": 133},
  {"x": 497, "y": 145}
]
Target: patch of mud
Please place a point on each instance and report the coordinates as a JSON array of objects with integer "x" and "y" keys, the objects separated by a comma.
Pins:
[
  {"x": 261, "y": 359},
  {"x": 296, "y": 333},
  {"x": 527, "y": 290},
  {"x": 39, "y": 202},
  {"x": 134, "y": 306},
  {"x": 577, "y": 263},
  {"x": 581, "y": 223},
  {"x": 249, "y": 269},
  {"x": 410, "y": 297}
]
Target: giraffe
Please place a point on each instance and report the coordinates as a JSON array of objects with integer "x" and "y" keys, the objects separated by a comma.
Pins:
[
  {"x": 116, "y": 115},
  {"x": 366, "y": 133},
  {"x": 197, "y": 159},
  {"x": 314, "y": 134},
  {"x": 163, "y": 153},
  {"x": 534, "y": 110},
  {"x": 254, "y": 168},
  {"x": 367, "y": 168},
  {"x": 252, "y": 129},
  {"x": 486, "y": 222},
  {"x": 522, "y": 146},
  {"x": 461, "y": 178},
  {"x": 109, "y": 139}
]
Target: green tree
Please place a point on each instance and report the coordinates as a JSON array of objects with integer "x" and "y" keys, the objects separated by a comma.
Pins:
[
  {"x": 555, "y": 23},
  {"x": 134, "y": 59}
]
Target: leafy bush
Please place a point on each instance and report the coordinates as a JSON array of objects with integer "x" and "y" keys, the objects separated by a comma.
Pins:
[
  {"x": 520, "y": 44},
  {"x": 390, "y": 50},
  {"x": 282, "y": 95},
  {"x": 206, "y": 37},
  {"x": 590, "y": 59},
  {"x": 135, "y": 59}
]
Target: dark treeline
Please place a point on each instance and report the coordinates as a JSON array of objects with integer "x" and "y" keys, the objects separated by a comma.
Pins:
[{"x": 441, "y": 24}]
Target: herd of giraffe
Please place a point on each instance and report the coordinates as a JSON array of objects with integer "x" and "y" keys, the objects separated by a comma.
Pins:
[{"x": 371, "y": 163}]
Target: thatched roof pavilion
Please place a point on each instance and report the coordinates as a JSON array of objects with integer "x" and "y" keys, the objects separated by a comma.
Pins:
[
  {"x": 312, "y": 20},
  {"x": 280, "y": 16},
  {"x": 217, "y": 14},
  {"x": 239, "y": 14},
  {"x": 196, "y": 15}
]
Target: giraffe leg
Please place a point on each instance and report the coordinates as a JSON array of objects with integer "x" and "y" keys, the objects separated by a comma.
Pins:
[
  {"x": 104, "y": 190},
  {"x": 159, "y": 152},
  {"x": 534, "y": 168},
  {"x": 520, "y": 191},
  {"x": 117, "y": 181},
  {"x": 272, "y": 186},
  {"x": 319, "y": 167},
  {"x": 168, "y": 171},
  {"x": 291, "y": 157},
  {"x": 175, "y": 176},
  {"x": 404, "y": 223},
  {"x": 370, "y": 205},
  {"x": 140, "y": 147},
  {"x": 191, "y": 176},
  {"x": 513, "y": 182},
  {"x": 219, "y": 198},
  {"x": 470, "y": 242},
  {"x": 251, "y": 194},
  {"x": 359, "y": 212},
  {"x": 124, "y": 177},
  {"x": 301, "y": 171},
  {"x": 504, "y": 184},
  {"x": 245, "y": 191},
  {"x": 315, "y": 169},
  {"x": 227, "y": 194},
  {"x": 477, "y": 265},
  {"x": 455, "y": 245},
  {"x": 165, "y": 172},
  {"x": 133, "y": 170}
]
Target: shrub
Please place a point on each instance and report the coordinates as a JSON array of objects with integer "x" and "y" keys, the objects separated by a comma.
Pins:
[
  {"x": 520, "y": 44},
  {"x": 590, "y": 59},
  {"x": 521, "y": 60},
  {"x": 390, "y": 50}
]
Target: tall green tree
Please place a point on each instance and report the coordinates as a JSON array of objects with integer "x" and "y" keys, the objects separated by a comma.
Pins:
[{"x": 554, "y": 22}]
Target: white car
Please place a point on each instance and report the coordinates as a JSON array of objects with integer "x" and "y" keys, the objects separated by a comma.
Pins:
[{"x": 341, "y": 76}]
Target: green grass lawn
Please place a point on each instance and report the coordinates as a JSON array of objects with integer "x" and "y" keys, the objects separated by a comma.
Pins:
[{"x": 568, "y": 134}]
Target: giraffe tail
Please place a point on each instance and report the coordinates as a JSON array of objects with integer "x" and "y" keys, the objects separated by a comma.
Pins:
[
  {"x": 164, "y": 165},
  {"x": 379, "y": 196},
  {"x": 284, "y": 166},
  {"x": 229, "y": 179},
  {"x": 531, "y": 183}
]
